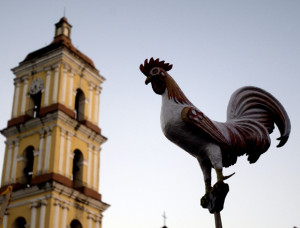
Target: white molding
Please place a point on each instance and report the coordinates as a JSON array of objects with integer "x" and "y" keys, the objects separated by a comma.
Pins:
[
  {"x": 16, "y": 99},
  {"x": 72, "y": 198},
  {"x": 61, "y": 150},
  {"x": 63, "y": 84},
  {"x": 41, "y": 152},
  {"x": 47, "y": 151},
  {"x": 25, "y": 87},
  {"x": 55, "y": 84},
  {"x": 42, "y": 214},
  {"x": 14, "y": 167},
  {"x": 47, "y": 89},
  {"x": 57, "y": 55},
  {"x": 70, "y": 101},
  {"x": 8, "y": 162}
]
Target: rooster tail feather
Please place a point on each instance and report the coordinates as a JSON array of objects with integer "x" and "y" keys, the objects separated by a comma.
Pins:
[{"x": 256, "y": 104}]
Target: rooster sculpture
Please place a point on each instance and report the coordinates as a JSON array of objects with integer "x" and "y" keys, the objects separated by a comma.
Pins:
[{"x": 251, "y": 115}]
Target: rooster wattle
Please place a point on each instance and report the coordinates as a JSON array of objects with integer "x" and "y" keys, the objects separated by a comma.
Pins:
[{"x": 251, "y": 115}]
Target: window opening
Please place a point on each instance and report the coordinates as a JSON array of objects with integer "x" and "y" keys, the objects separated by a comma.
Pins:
[
  {"x": 20, "y": 222},
  {"x": 79, "y": 105},
  {"x": 75, "y": 224},
  {"x": 28, "y": 165},
  {"x": 77, "y": 168},
  {"x": 35, "y": 104}
]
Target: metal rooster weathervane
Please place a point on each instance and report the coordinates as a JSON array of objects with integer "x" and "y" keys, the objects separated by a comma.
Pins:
[{"x": 251, "y": 115}]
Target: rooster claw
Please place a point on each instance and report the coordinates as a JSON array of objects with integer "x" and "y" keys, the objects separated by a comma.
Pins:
[
  {"x": 214, "y": 200},
  {"x": 204, "y": 201},
  {"x": 220, "y": 176},
  {"x": 226, "y": 177}
]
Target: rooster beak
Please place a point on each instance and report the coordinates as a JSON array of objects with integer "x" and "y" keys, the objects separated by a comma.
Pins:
[{"x": 148, "y": 80}]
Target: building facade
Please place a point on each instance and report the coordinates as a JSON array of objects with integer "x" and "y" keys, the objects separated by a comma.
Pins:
[{"x": 53, "y": 142}]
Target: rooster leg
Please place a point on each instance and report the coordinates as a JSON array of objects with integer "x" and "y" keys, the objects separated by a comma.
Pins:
[
  {"x": 215, "y": 155},
  {"x": 206, "y": 170}
]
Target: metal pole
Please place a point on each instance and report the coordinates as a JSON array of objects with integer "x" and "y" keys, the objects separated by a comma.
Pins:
[{"x": 218, "y": 220}]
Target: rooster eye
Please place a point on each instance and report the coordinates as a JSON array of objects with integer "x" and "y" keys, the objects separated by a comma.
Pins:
[{"x": 154, "y": 71}]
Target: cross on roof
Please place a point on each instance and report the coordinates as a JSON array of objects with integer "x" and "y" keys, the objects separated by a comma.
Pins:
[{"x": 165, "y": 218}]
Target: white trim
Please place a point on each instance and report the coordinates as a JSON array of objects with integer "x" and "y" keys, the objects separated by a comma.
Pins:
[
  {"x": 5, "y": 221},
  {"x": 35, "y": 152},
  {"x": 95, "y": 157},
  {"x": 47, "y": 89},
  {"x": 24, "y": 96},
  {"x": 68, "y": 152},
  {"x": 63, "y": 85},
  {"x": 20, "y": 158},
  {"x": 90, "y": 102},
  {"x": 42, "y": 214},
  {"x": 70, "y": 197},
  {"x": 41, "y": 149},
  {"x": 58, "y": 55},
  {"x": 27, "y": 193},
  {"x": 33, "y": 215},
  {"x": 61, "y": 151},
  {"x": 96, "y": 110},
  {"x": 8, "y": 162},
  {"x": 55, "y": 85},
  {"x": 61, "y": 117},
  {"x": 47, "y": 152},
  {"x": 89, "y": 168},
  {"x": 71, "y": 89},
  {"x": 14, "y": 167},
  {"x": 56, "y": 214},
  {"x": 64, "y": 216},
  {"x": 90, "y": 220},
  {"x": 16, "y": 100}
]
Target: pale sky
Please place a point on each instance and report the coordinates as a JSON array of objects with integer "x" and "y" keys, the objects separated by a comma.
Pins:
[{"x": 215, "y": 48}]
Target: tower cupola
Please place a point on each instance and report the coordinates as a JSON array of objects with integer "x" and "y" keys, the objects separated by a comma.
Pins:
[{"x": 63, "y": 28}]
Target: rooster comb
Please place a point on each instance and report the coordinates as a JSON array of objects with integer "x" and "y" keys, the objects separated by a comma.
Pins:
[{"x": 154, "y": 63}]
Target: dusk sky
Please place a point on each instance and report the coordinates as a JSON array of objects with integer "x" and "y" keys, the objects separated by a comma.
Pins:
[{"x": 215, "y": 47}]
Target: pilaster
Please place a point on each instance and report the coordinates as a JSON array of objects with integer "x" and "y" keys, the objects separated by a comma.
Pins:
[
  {"x": 47, "y": 150},
  {"x": 71, "y": 92},
  {"x": 14, "y": 167},
  {"x": 41, "y": 150},
  {"x": 16, "y": 98},
  {"x": 24, "y": 96},
  {"x": 7, "y": 164},
  {"x": 47, "y": 88},
  {"x": 33, "y": 208},
  {"x": 55, "y": 84}
]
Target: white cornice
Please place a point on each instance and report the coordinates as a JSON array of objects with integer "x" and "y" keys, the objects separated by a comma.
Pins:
[
  {"x": 58, "y": 55},
  {"x": 39, "y": 63},
  {"x": 25, "y": 129},
  {"x": 75, "y": 196}
]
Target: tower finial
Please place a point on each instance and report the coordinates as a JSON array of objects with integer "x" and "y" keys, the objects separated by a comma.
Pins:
[
  {"x": 165, "y": 218},
  {"x": 64, "y": 11}
]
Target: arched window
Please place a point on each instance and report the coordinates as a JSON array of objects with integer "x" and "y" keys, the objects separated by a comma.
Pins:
[
  {"x": 79, "y": 105},
  {"x": 28, "y": 164},
  {"x": 20, "y": 222},
  {"x": 35, "y": 104},
  {"x": 75, "y": 224},
  {"x": 77, "y": 171}
]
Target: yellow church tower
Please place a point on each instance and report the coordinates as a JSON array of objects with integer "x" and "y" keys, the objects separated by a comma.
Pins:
[{"x": 53, "y": 140}]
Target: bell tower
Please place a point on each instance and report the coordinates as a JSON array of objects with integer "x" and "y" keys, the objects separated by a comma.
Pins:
[{"x": 53, "y": 142}]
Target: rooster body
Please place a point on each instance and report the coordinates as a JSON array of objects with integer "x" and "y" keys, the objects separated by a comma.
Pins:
[{"x": 251, "y": 115}]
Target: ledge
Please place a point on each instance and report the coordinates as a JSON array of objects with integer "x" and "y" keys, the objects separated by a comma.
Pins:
[
  {"x": 43, "y": 179},
  {"x": 18, "y": 120},
  {"x": 50, "y": 109}
]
